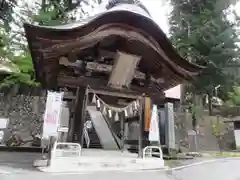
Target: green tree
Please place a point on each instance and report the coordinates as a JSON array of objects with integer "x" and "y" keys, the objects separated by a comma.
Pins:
[
  {"x": 19, "y": 69},
  {"x": 53, "y": 12},
  {"x": 6, "y": 11},
  {"x": 202, "y": 34},
  {"x": 47, "y": 13},
  {"x": 234, "y": 97}
]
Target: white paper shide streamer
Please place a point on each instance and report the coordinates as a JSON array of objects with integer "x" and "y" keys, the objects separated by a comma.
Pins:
[
  {"x": 116, "y": 117},
  {"x": 125, "y": 113},
  {"x": 98, "y": 103},
  {"x": 94, "y": 99},
  {"x": 104, "y": 110},
  {"x": 110, "y": 113},
  {"x": 130, "y": 110}
]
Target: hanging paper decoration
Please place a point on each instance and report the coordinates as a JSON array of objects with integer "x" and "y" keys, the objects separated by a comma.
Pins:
[
  {"x": 116, "y": 116},
  {"x": 104, "y": 110},
  {"x": 125, "y": 113},
  {"x": 135, "y": 112},
  {"x": 135, "y": 105},
  {"x": 130, "y": 110},
  {"x": 94, "y": 99},
  {"x": 98, "y": 103},
  {"x": 110, "y": 113}
]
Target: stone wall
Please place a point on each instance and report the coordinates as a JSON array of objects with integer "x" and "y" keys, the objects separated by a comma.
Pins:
[
  {"x": 206, "y": 140},
  {"x": 24, "y": 113}
]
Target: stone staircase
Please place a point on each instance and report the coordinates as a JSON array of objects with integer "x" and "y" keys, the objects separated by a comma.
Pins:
[{"x": 94, "y": 139}]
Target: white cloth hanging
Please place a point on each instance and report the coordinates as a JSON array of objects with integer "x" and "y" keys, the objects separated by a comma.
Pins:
[
  {"x": 154, "y": 126},
  {"x": 116, "y": 118}
]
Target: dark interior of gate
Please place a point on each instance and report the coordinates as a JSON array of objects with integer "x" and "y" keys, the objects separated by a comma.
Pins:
[{"x": 120, "y": 54}]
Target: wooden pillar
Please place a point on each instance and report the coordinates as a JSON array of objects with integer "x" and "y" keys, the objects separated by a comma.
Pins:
[
  {"x": 83, "y": 119},
  {"x": 78, "y": 121},
  {"x": 140, "y": 138},
  {"x": 122, "y": 130},
  {"x": 71, "y": 106},
  {"x": 52, "y": 140}
]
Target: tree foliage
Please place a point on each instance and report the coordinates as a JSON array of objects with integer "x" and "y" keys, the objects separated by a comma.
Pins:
[
  {"x": 6, "y": 12},
  {"x": 234, "y": 97},
  {"x": 54, "y": 12},
  {"x": 202, "y": 33},
  {"x": 13, "y": 46}
]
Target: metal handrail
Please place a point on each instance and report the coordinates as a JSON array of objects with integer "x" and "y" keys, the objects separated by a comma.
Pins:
[{"x": 151, "y": 152}]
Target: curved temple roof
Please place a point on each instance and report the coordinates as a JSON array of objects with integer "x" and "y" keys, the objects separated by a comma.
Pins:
[{"x": 123, "y": 18}]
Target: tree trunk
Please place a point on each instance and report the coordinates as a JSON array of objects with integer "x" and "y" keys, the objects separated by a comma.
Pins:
[
  {"x": 219, "y": 141},
  {"x": 182, "y": 98},
  {"x": 210, "y": 104},
  {"x": 43, "y": 4}
]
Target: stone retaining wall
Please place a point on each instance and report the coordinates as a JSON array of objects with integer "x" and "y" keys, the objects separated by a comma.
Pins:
[
  {"x": 24, "y": 113},
  {"x": 206, "y": 140}
]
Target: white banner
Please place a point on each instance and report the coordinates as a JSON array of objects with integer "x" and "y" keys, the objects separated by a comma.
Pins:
[
  {"x": 52, "y": 114},
  {"x": 154, "y": 126}
]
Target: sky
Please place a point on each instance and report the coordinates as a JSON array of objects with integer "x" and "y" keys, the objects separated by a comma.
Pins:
[
  {"x": 159, "y": 12},
  {"x": 158, "y": 9}
]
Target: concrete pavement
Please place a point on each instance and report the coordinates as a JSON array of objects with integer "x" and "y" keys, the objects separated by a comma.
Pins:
[
  {"x": 222, "y": 169},
  {"x": 227, "y": 169},
  {"x": 218, "y": 170}
]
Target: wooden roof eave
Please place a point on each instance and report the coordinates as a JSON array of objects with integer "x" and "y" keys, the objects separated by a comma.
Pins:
[
  {"x": 126, "y": 15},
  {"x": 105, "y": 32}
]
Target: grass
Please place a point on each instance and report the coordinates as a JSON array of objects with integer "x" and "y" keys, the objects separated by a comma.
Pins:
[
  {"x": 226, "y": 154},
  {"x": 172, "y": 163}
]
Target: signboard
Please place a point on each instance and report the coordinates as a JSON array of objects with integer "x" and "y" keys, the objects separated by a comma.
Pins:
[
  {"x": 154, "y": 126},
  {"x": 192, "y": 133},
  {"x": 1, "y": 136},
  {"x": 3, "y": 123},
  {"x": 52, "y": 114},
  {"x": 63, "y": 129}
]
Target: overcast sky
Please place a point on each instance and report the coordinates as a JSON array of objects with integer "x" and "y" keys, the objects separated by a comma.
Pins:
[{"x": 159, "y": 10}]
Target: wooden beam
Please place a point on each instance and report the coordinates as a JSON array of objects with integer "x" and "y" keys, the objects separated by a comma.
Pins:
[
  {"x": 130, "y": 95},
  {"x": 103, "y": 68},
  {"x": 99, "y": 86}
]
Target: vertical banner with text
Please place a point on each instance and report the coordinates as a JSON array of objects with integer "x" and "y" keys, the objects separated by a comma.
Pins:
[
  {"x": 52, "y": 114},
  {"x": 154, "y": 126}
]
